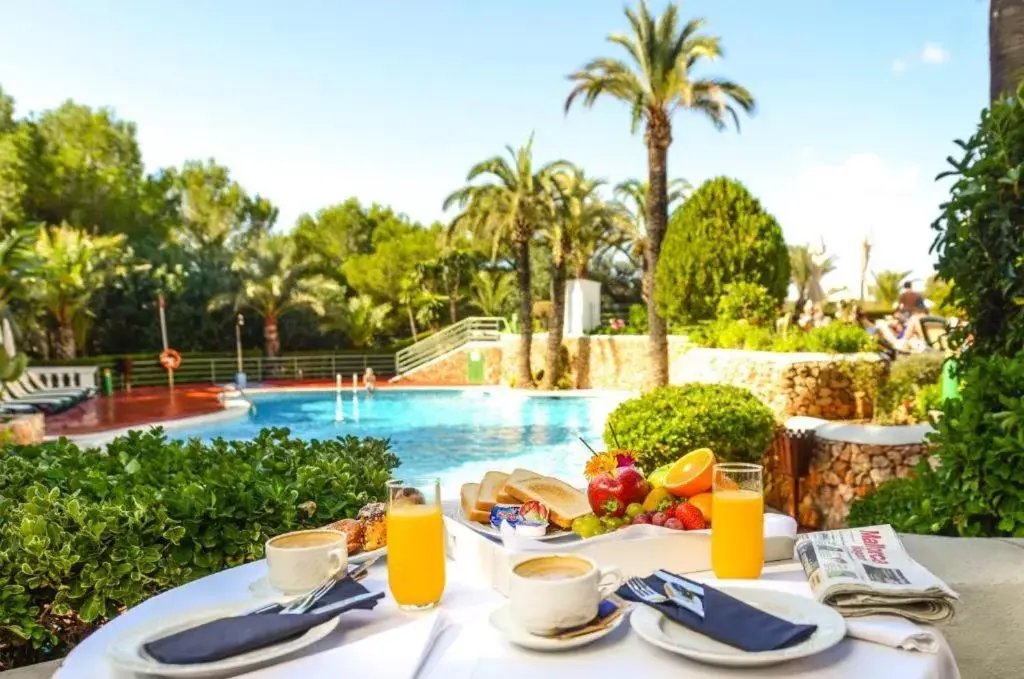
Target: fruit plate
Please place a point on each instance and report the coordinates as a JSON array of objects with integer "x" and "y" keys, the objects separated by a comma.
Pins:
[{"x": 487, "y": 529}]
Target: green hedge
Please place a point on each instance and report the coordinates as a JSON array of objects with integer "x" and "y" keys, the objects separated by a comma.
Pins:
[
  {"x": 88, "y": 532},
  {"x": 912, "y": 380},
  {"x": 834, "y": 338},
  {"x": 669, "y": 422}
]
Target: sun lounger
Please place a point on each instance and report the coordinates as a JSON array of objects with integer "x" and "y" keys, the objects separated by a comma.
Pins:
[
  {"x": 12, "y": 394},
  {"x": 34, "y": 388}
]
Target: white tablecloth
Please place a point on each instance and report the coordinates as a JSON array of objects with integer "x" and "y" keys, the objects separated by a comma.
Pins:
[{"x": 379, "y": 643}]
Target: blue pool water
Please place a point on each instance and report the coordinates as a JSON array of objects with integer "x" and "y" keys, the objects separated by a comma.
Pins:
[{"x": 456, "y": 435}]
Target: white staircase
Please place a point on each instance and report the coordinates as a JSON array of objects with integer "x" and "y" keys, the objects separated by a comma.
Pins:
[{"x": 472, "y": 329}]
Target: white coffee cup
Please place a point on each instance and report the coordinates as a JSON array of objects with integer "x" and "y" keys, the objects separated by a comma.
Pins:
[
  {"x": 552, "y": 592},
  {"x": 300, "y": 560}
]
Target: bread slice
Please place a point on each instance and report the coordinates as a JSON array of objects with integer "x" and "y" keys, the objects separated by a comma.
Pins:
[
  {"x": 564, "y": 502},
  {"x": 516, "y": 476},
  {"x": 469, "y": 494},
  {"x": 490, "y": 486}
]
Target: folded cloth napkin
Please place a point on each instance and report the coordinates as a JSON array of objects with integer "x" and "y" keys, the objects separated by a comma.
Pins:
[
  {"x": 893, "y": 631},
  {"x": 227, "y": 637},
  {"x": 729, "y": 620}
]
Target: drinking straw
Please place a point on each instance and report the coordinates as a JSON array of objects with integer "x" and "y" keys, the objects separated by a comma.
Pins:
[
  {"x": 615, "y": 437},
  {"x": 588, "y": 446}
]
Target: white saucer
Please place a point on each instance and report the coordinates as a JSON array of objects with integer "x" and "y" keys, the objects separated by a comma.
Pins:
[
  {"x": 262, "y": 588},
  {"x": 501, "y": 620},
  {"x": 657, "y": 629}
]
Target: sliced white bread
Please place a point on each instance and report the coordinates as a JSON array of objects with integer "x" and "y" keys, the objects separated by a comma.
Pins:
[
  {"x": 469, "y": 493},
  {"x": 564, "y": 502},
  {"x": 490, "y": 486}
]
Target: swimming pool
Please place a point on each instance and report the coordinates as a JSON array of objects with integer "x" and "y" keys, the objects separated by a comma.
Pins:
[{"x": 455, "y": 435}]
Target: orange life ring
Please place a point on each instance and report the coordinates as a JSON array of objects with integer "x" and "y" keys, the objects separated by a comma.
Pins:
[{"x": 170, "y": 359}]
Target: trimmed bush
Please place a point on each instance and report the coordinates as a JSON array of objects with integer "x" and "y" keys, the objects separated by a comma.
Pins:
[
  {"x": 908, "y": 376},
  {"x": 88, "y": 532},
  {"x": 834, "y": 338},
  {"x": 669, "y": 422},
  {"x": 748, "y": 302},
  {"x": 721, "y": 235}
]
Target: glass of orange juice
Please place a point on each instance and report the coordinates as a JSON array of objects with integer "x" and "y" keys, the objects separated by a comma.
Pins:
[
  {"x": 737, "y": 526},
  {"x": 415, "y": 542}
]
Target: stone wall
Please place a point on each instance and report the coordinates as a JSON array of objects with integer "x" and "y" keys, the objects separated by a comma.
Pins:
[
  {"x": 849, "y": 461},
  {"x": 22, "y": 429},
  {"x": 832, "y": 387},
  {"x": 453, "y": 369}
]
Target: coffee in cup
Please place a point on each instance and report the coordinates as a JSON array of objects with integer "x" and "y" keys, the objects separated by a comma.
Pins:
[
  {"x": 301, "y": 560},
  {"x": 553, "y": 592}
]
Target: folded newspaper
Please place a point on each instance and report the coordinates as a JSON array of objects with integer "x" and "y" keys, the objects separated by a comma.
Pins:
[{"x": 864, "y": 571}]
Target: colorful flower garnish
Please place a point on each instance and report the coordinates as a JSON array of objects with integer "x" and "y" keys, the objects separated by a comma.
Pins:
[
  {"x": 599, "y": 464},
  {"x": 625, "y": 460}
]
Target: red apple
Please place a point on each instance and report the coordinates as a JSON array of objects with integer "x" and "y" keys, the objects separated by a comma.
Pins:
[{"x": 609, "y": 493}]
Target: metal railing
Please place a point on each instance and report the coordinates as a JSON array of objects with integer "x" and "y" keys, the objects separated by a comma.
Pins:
[
  {"x": 259, "y": 369},
  {"x": 472, "y": 329}
]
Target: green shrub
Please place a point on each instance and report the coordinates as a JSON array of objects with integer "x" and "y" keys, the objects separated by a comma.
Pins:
[
  {"x": 721, "y": 235},
  {"x": 980, "y": 233},
  {"x": 748, "y": 302},
  {"x": 637, "y": 324},
  {"x": 908, "y": 375},
  {"x": 908, "y": 504},
  {"x": 839, "y": 338},
  {"x": 88, "y": 532},
  {"x": 666, "y": 423}
]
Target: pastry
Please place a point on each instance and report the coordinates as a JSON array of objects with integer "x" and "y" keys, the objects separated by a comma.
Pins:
[
  {"x": 375, "y": 530},
  {"x": 352, "y": 528}
]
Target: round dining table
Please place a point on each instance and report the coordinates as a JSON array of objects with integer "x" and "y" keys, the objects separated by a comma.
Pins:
[{"x": 387, "y": 642}]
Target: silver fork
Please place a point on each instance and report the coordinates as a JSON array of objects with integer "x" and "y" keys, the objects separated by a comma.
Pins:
[
  {"x": 355, "y": 572},
  {"x": 645, "y": 592},
  {"x": 306, "y": 601}
]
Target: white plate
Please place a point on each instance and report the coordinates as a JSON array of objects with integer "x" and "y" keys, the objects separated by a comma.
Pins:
[
  {"x": 361, "y": 557},
  {"x": 127, "y": 652},
  {"x": 501, "y": 620},
  {"x": 655, "y": 628},
  {"x": 553, "y": 533}
]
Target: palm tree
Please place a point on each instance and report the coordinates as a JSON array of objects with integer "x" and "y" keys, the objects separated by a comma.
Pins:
[
  {"x": 274, "y": 280},
  {"x": 71, "y": 266},
  {"x": 632, "y": 193},
  {"x": 806, "y": 269},
  {"x": 1005, "y": 47},
  {"x": 359, "y": 319},
  {"x": 491, "y": 291},
  {"x": 656, "y": 81},
  {"x": 508, "y": 207},
  {"x": 888, "y": 286},
  {"x": 16, "y": 261}
]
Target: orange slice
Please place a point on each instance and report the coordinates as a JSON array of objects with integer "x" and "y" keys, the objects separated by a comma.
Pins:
[
  {"x": 702, "y": 501},
  {"x": 691, "y": 475}
]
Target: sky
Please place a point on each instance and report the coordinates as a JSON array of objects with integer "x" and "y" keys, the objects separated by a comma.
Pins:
[{"x": 392, "y": 101}]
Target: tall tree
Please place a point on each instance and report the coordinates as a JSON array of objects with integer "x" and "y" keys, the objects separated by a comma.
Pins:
[
  {"x": 359, "y": 318},
  {"x": 492, "y": 292},
  {"x": 806, "y": 269},
  {"x": 16, "y": 260},
  {"x": 71, "y": 267},
  {"x": 508, "y": 206},
  {"x": 1005, "y": 47},
  {"x": 655, "y": 81},
  {"x": 633, "y": 193},
  {"x": 888, "y": 286},
  {"x": 213, "y": 207},
  {"x": 275, "y": 279}
]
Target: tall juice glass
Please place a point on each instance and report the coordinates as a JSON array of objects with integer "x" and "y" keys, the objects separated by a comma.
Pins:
[
  {"x": 737, "y": 521},
  {"x": 415, "y": 542}
]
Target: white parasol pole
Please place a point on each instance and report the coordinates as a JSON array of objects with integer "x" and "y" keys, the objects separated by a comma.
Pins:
[{"x": 163, "y": 336}]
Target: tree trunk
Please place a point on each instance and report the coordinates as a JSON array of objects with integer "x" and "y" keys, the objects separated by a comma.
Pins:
[
  {"x": 271, "y": 338},
  {"x": 552, "y": 362},
  {"x": 453, "y": 308},
  {"x": 65, "y": 346},
  {"x": 658, "y": 138},
  {"x": 412, "y": 323},
  {"x": 1005, "y": 46},
  {"x": 524, "y": 378}
]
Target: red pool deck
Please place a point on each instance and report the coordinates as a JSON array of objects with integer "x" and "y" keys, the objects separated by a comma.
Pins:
[
  {"x": 144, "y": 405},
  {"x": 149, "y": 405}
]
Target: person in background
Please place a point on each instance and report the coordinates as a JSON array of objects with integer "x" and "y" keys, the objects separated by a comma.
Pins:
[
  {"x": 369, "y": 380},
  {"x": 909, "y": 301}
]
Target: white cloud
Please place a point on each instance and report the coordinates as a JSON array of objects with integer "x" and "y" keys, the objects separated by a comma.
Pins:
[
  {"x": 934, "y": 53},
  {"x": 862, "y": 196},
  {"x": 898, "y": 65}
]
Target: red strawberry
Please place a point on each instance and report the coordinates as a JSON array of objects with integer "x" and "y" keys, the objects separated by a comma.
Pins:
[{"x": 690, "y": 517}]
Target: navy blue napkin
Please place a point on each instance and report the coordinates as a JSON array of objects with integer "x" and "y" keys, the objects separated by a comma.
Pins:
[
  {"x": 227, "y": 637},
  {"x": 729, "y": 620}
]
